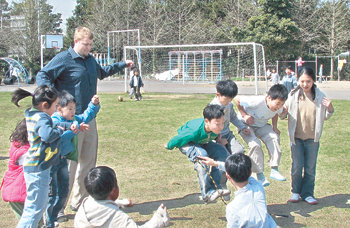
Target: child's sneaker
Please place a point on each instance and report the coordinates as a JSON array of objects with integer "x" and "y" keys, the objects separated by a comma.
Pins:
[
  {"x": 276, "y": 175},
  {"x": 311, "y": 200},
  {"x": 262, "y": 179},
  {"x": 227, "y": 197},
  {"x": 294, "y": 198},
  {"x": 211, "y": 198}
]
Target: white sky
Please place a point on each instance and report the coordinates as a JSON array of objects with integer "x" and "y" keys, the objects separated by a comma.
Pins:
[{"x": 65, "y": 7}]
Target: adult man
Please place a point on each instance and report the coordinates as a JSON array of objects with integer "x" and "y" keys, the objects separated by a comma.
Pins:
[{"x": 76, "y": 71}]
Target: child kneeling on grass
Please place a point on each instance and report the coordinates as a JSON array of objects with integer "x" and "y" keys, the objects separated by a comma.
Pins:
[
  {"x": 248, "y": 208},
  {"x": 100, "y": 209}
]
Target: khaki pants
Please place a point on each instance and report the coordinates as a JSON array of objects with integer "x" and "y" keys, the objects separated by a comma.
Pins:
[
  {"x": 87, "y": 147},
  {"x": 270, "y": 139}
]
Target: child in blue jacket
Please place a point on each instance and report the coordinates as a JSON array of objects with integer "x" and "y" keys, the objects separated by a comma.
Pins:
[{"x": 66, "y": 118}]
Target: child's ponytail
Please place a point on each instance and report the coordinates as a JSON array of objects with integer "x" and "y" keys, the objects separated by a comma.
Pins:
[
  {"x": 19, "y": 94},
  {"x": 41, "y": 94}
]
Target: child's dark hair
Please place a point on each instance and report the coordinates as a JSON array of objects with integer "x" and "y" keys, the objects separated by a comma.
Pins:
[
  {"x": 100, "y": 182},
  {"x": 20, "y": 133},
  {"x": 65, "y": 99},
  {"x": 41, "y": 94},
  {"x": 278, "y": 91},
  {"x": 227, "y": 88},
  {"x": 238, "y": 166},
  {"x": 308, "y": 71},
  {"x": 289, "y": 67},
  {"x": 213, "y": 111}
]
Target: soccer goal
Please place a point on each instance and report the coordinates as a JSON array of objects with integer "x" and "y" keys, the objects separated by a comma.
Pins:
[{"x": 198, "y": 63}]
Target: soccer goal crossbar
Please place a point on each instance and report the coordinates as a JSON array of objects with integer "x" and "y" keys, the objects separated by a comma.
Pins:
[{"x": 199, "y": 62}]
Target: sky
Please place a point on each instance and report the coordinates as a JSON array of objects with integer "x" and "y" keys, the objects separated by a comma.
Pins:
[{"x": 65, "y": 7}]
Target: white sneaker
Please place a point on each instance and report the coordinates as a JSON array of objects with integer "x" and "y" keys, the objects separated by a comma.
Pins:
[
  {"x": 294, "y": 198},
  {"x": 227, "y": 197},
  {"x": 212, "y": 197},
  {"x": 311, "y": 200},
  {"x": 276, "y": 175}
]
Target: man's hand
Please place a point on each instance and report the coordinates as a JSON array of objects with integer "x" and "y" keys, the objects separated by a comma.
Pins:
[
  {"x": 129, "y": 63},
  {"x": 84, "y": 127}
]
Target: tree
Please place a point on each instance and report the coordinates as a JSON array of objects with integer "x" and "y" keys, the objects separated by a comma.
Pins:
[
  {"x": 306, "y": 15},
  {"x": 38, "y": 19},
  {"x": 4, "y": 27},
  {"x": 81, "y": 15},
  {"x": 273, "y": 28},
  {"x": 335, "y": 34}
]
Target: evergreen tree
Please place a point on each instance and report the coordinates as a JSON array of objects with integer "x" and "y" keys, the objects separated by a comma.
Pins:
[{"x": 273, "y": 28}]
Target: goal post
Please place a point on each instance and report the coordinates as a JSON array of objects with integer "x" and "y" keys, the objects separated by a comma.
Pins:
[{"x": 198, "y": 63}]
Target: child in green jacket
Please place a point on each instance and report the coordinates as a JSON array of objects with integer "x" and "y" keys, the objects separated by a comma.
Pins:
[{"x": 196, "y": 138}]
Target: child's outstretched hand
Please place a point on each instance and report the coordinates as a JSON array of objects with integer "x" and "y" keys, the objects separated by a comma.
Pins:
[
  {"x": 84, "y": 127},
  {"x": 328, "y": 103},
  {"x": 74, "y": 128},
  {"x": 284, "y": 111},
  {"x": 208, "y": 161},
  {"x": 162, "y": 211},
  {"x": 95, "y": 99}
]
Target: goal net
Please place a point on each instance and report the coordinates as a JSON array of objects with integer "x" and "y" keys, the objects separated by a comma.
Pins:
[{"x": 200, "y": 63}]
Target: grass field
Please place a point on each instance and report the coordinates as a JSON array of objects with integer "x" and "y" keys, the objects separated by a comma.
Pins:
[{"x": 131, "y": 139}]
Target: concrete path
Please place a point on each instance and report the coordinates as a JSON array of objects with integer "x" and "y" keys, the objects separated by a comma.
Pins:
[{"x": 334, "y": 90}]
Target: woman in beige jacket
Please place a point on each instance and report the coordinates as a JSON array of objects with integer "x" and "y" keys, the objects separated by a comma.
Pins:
[{"x": 307, "y": 108}]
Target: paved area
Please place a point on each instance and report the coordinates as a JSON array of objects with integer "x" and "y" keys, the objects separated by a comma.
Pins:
[{"x": 334, "y": 90}]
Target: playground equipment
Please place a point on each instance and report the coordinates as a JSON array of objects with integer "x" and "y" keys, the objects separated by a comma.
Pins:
[
  {"x": 15, "y": 72},
  {"x": 197, "y": 65}
]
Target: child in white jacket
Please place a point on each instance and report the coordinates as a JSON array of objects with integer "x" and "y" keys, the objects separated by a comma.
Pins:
[{"x": 100, "y": 209}]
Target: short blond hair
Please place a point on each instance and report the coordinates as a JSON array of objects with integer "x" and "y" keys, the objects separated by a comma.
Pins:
[{"x": 82, "y": 32}]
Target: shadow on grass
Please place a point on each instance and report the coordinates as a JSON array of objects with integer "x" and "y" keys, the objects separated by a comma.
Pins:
[
  {"x": 282, "y": 213},
  {"x": 147, "y": 208},
  {"x": 3, "y": 158}
]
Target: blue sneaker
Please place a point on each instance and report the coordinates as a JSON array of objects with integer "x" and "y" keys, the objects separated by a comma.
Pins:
[{"x": 262, "y": 179}]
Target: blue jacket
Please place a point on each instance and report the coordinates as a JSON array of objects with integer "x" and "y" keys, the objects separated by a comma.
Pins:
[
  {"x": 76, "y": 74},
  {"x": 139, "y": 81},
  {"x": 44, "y": 141},
  {"x": 290, "y": 82},
  {"x": 67, "y": 145}
]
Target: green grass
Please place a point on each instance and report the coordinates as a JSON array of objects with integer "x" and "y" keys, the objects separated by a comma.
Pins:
[{"x": 131, "y": 139}]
